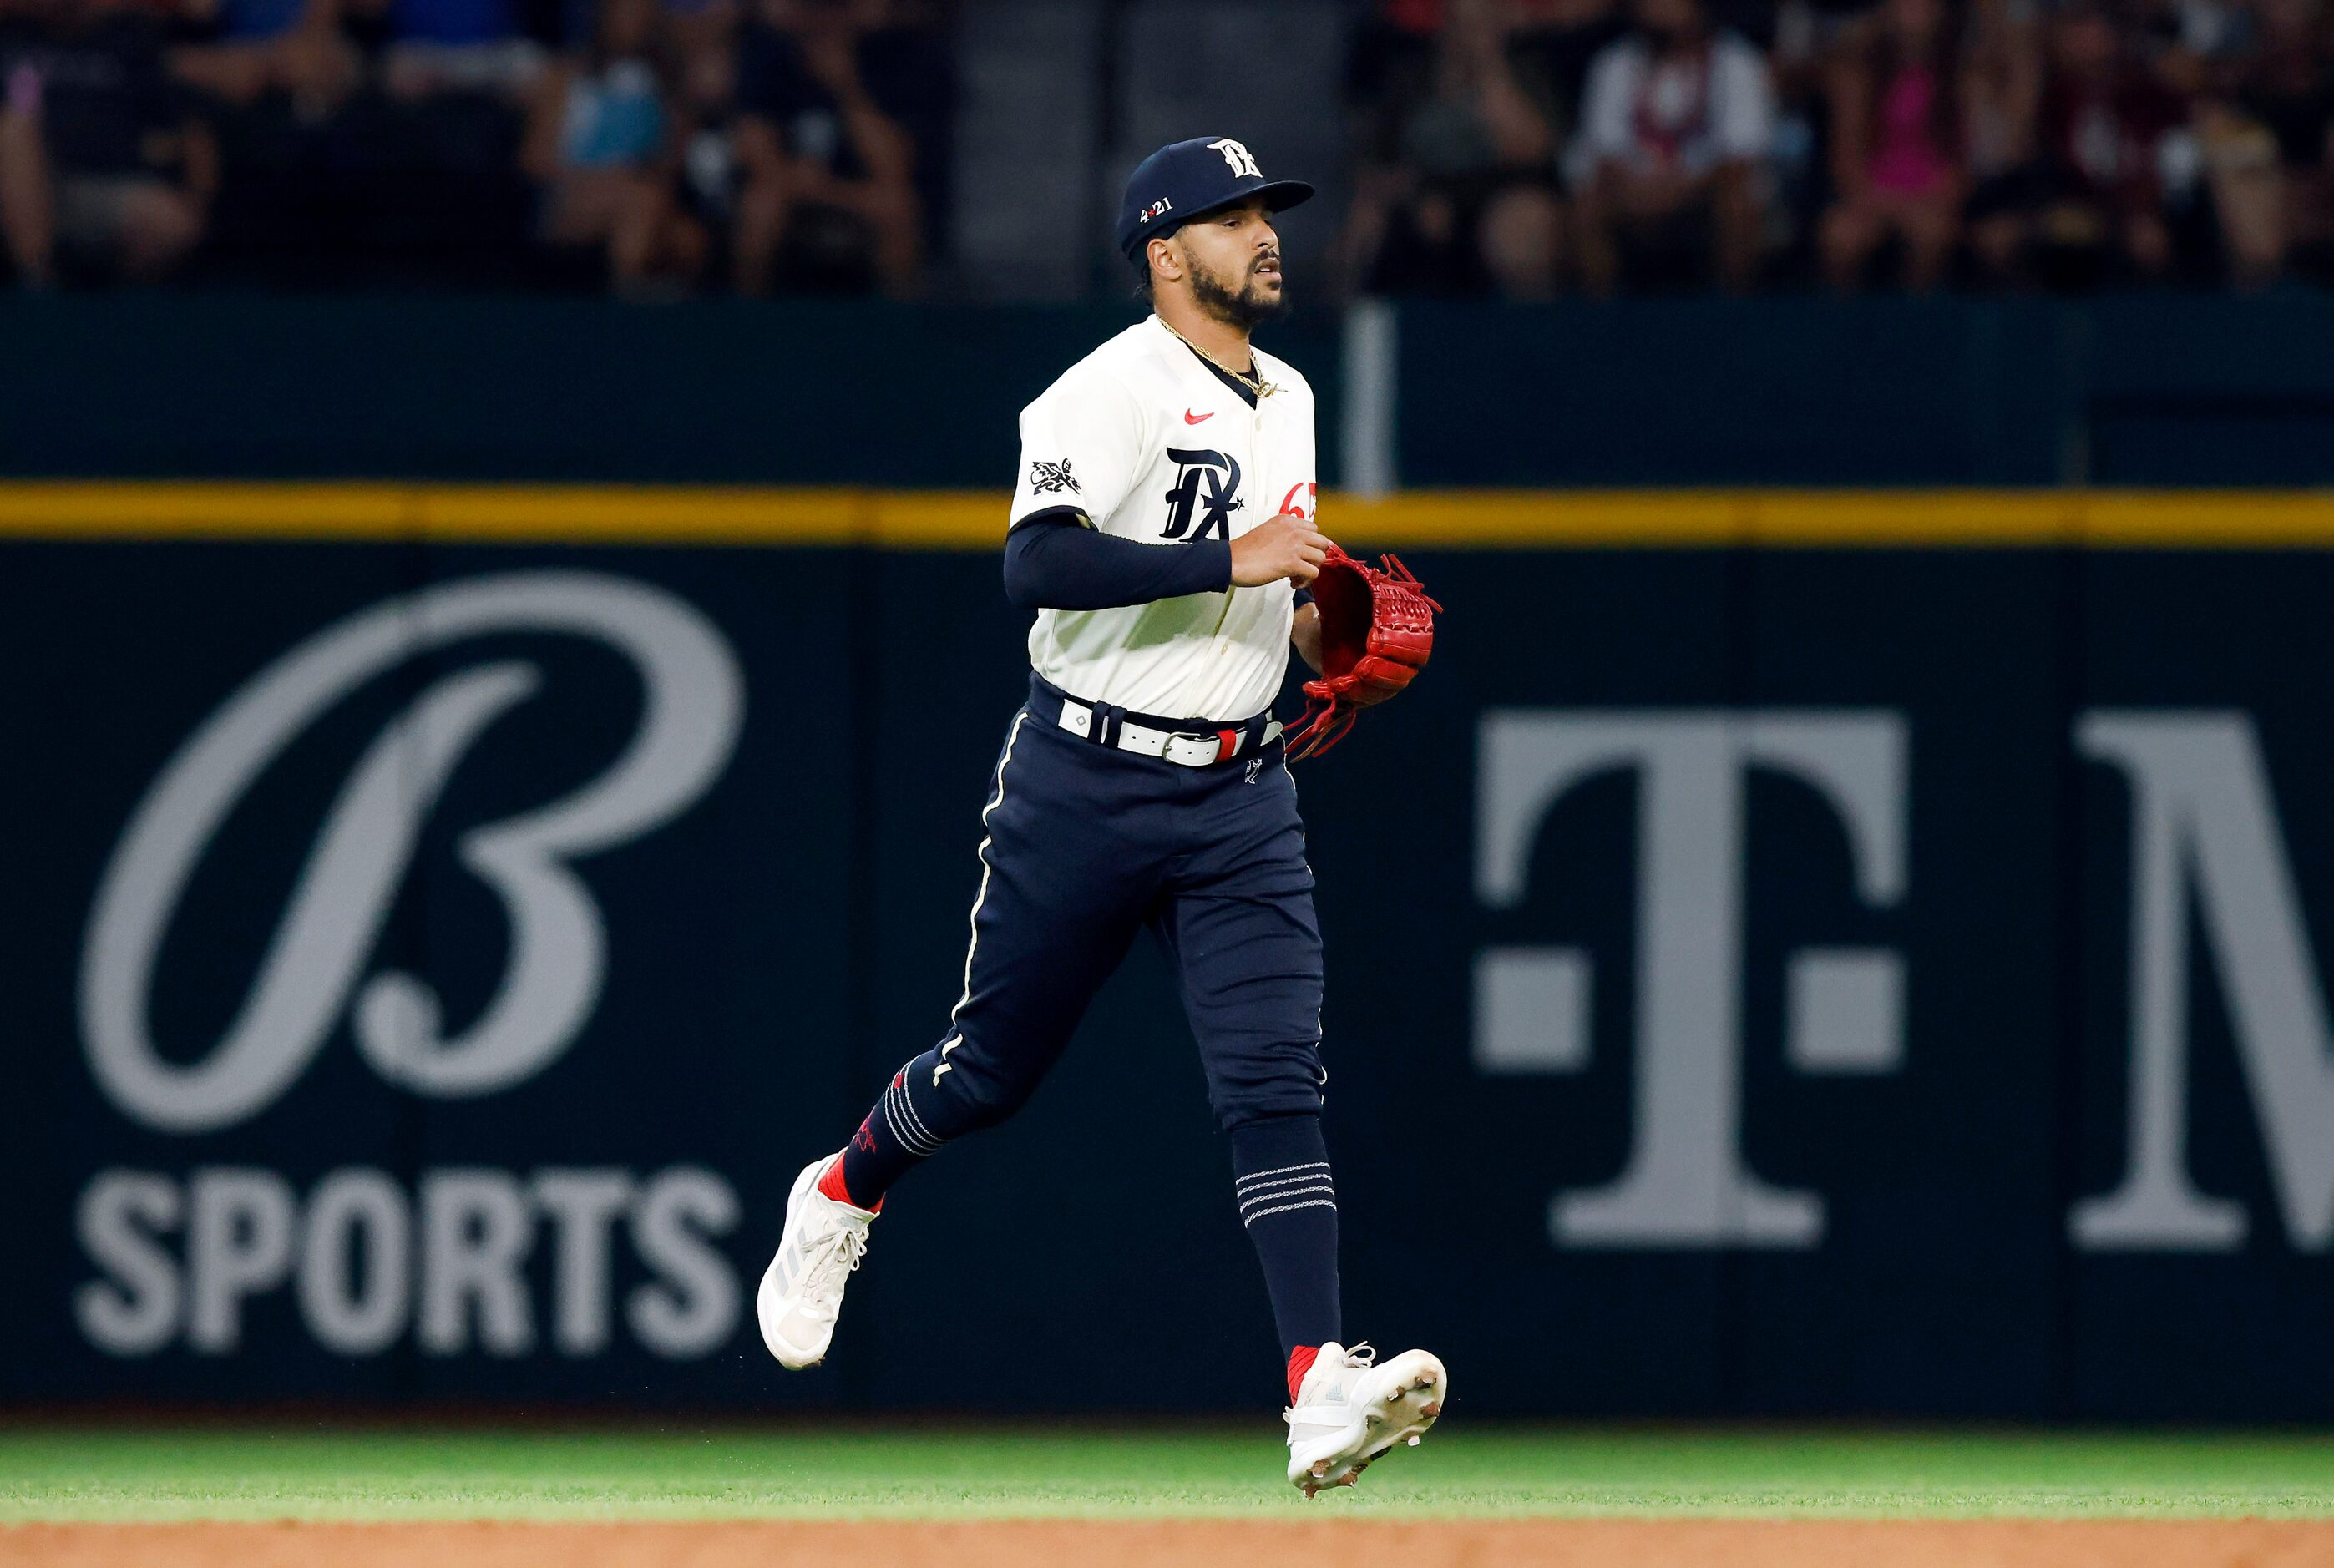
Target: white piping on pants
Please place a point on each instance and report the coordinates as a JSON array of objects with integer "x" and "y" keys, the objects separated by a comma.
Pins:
[{"x": 980, "y": 897}]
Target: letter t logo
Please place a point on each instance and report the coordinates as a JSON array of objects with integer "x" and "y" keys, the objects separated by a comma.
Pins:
[{"x": 1685, "y": 1183}]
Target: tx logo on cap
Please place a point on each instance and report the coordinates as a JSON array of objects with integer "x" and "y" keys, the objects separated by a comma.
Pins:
[
  {"x": 1185, "y": 180},
  {"x": 1241, "y": 162}
]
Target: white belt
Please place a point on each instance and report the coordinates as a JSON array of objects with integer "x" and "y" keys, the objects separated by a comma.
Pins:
[{"x": 1185, "y": 748}]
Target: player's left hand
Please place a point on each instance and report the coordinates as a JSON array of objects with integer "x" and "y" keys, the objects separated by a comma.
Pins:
[{"x": 1375, "y": 630}]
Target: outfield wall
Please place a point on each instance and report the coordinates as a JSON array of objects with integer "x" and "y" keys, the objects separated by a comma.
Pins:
[
  {"x": 2152, "y": 389},
  {"x": 1794, "y": 954}
]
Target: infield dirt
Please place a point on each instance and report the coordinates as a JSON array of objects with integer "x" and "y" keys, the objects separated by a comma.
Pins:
[{"x": 1013, "y": 1543}]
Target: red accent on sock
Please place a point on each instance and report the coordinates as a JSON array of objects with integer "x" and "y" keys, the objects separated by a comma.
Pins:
[
  {"x": 831, "y": 1186},
  {"x": 1300, "y": 1361}
]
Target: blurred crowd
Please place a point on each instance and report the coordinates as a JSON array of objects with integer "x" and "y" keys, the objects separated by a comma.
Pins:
[
  {"x": 1518, "y": 148},
  {"x": 646, "y": 145},
  {"x": 1526, "y": 147}
]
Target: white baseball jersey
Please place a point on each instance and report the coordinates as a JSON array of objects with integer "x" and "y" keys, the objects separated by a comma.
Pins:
[{"x": 1151, "y": 445}]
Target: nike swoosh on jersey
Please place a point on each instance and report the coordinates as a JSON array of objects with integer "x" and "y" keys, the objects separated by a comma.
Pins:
[{"x": 1191, "y": 419}]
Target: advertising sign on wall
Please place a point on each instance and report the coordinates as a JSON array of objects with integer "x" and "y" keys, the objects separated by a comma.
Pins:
[{"x": 1783, "y": 982}]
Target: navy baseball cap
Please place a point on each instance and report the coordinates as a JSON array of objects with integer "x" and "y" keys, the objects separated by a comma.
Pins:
[{"x": 1186, "y": 179}]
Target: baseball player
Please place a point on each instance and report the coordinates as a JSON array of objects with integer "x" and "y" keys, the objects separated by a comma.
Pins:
[{"x": 1162, "y": 531}]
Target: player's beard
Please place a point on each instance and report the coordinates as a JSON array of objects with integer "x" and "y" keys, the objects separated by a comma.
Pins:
[{"x": 1243, "y": 307}]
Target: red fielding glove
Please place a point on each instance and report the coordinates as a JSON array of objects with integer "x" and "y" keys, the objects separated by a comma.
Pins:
[{"x": 1377, "y": 630}]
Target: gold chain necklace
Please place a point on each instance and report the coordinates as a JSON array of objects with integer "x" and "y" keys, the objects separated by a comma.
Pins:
[{"x": 1254, "y": 383}]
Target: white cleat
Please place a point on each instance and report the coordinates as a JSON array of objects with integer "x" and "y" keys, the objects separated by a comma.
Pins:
[
  {"x": 802, "y": 1290},
  {"x": 1349, "y": 1411}
]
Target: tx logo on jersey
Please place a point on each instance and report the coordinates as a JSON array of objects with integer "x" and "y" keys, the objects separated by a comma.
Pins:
[
  {"x": 1046, "y": 479},
  {"x": 1243, "y": 165},
  {"x": 1207, "y": 483}
]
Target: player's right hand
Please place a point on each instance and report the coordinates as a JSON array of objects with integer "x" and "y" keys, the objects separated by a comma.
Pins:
[{"x": 1287, "y": 545}]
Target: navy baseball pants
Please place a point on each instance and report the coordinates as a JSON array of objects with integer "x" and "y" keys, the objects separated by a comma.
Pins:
[{"x": 1085, "y": 846}]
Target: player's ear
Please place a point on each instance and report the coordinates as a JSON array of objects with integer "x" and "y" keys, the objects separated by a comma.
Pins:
[{"x": 1166, "y": 259}]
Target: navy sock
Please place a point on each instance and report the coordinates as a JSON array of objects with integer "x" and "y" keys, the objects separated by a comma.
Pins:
[
  {"x": 897, "y": 1136},
  {"x": 1280, "y": 1169}
]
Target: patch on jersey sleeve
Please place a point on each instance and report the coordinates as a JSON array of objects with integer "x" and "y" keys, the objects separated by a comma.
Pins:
[{"x": 1048, "y": 478}]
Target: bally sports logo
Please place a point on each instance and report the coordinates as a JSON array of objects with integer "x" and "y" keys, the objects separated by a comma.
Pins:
[{"x": 245, "y": 1230}]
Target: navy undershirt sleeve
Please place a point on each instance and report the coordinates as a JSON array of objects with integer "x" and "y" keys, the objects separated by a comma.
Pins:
[{"x": 1054, "y": 560}]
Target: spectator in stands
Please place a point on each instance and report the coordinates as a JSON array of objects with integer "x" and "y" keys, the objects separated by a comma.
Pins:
[
  {"x": 2104, "y": 118},
  {"x": 1390, "y": 71},
  {"x": 1467, "y": 201},
  {"x": 2286, "y": 100},
  {"x": 703, "y": 34},
  {"x": 1896, "y": 144},
  {"x": 600, "y": 144},
  {"x": 2001, "y": 86},
  {"x": 102, "y": 160},
  {"x": 1670, "y": 165},
  {"x": 701, "y": 99},
  {"x": 907, "y": 64},
  {"x": 826, "y": 178},
  {"x": 248, "y": 48},
  {"x": 1551, "y": 47},
  {"x": 458, "y": 47}
]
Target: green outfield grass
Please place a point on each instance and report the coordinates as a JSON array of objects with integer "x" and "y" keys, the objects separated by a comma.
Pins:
[{"x": 166, "y": 1473}]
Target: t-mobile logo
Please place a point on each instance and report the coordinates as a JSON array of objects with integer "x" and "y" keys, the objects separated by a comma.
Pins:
[{"x": 1686, "y": 1182}]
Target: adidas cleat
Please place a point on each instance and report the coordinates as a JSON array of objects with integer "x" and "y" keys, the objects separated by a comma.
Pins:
[
  {"x": 1350, "y": 1412},
  {"x": 802, "y": 1290}
]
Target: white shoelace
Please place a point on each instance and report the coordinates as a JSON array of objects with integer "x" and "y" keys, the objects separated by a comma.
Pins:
[{"x": 833, "y": 1259}]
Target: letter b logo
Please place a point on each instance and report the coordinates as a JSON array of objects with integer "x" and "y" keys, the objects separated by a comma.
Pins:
[{"x": 317, "y": 962}]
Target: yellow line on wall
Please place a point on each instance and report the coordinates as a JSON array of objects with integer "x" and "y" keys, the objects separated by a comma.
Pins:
[
  {"x": 975, "y": 520},
  {"x": 433, "y": 514}
]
